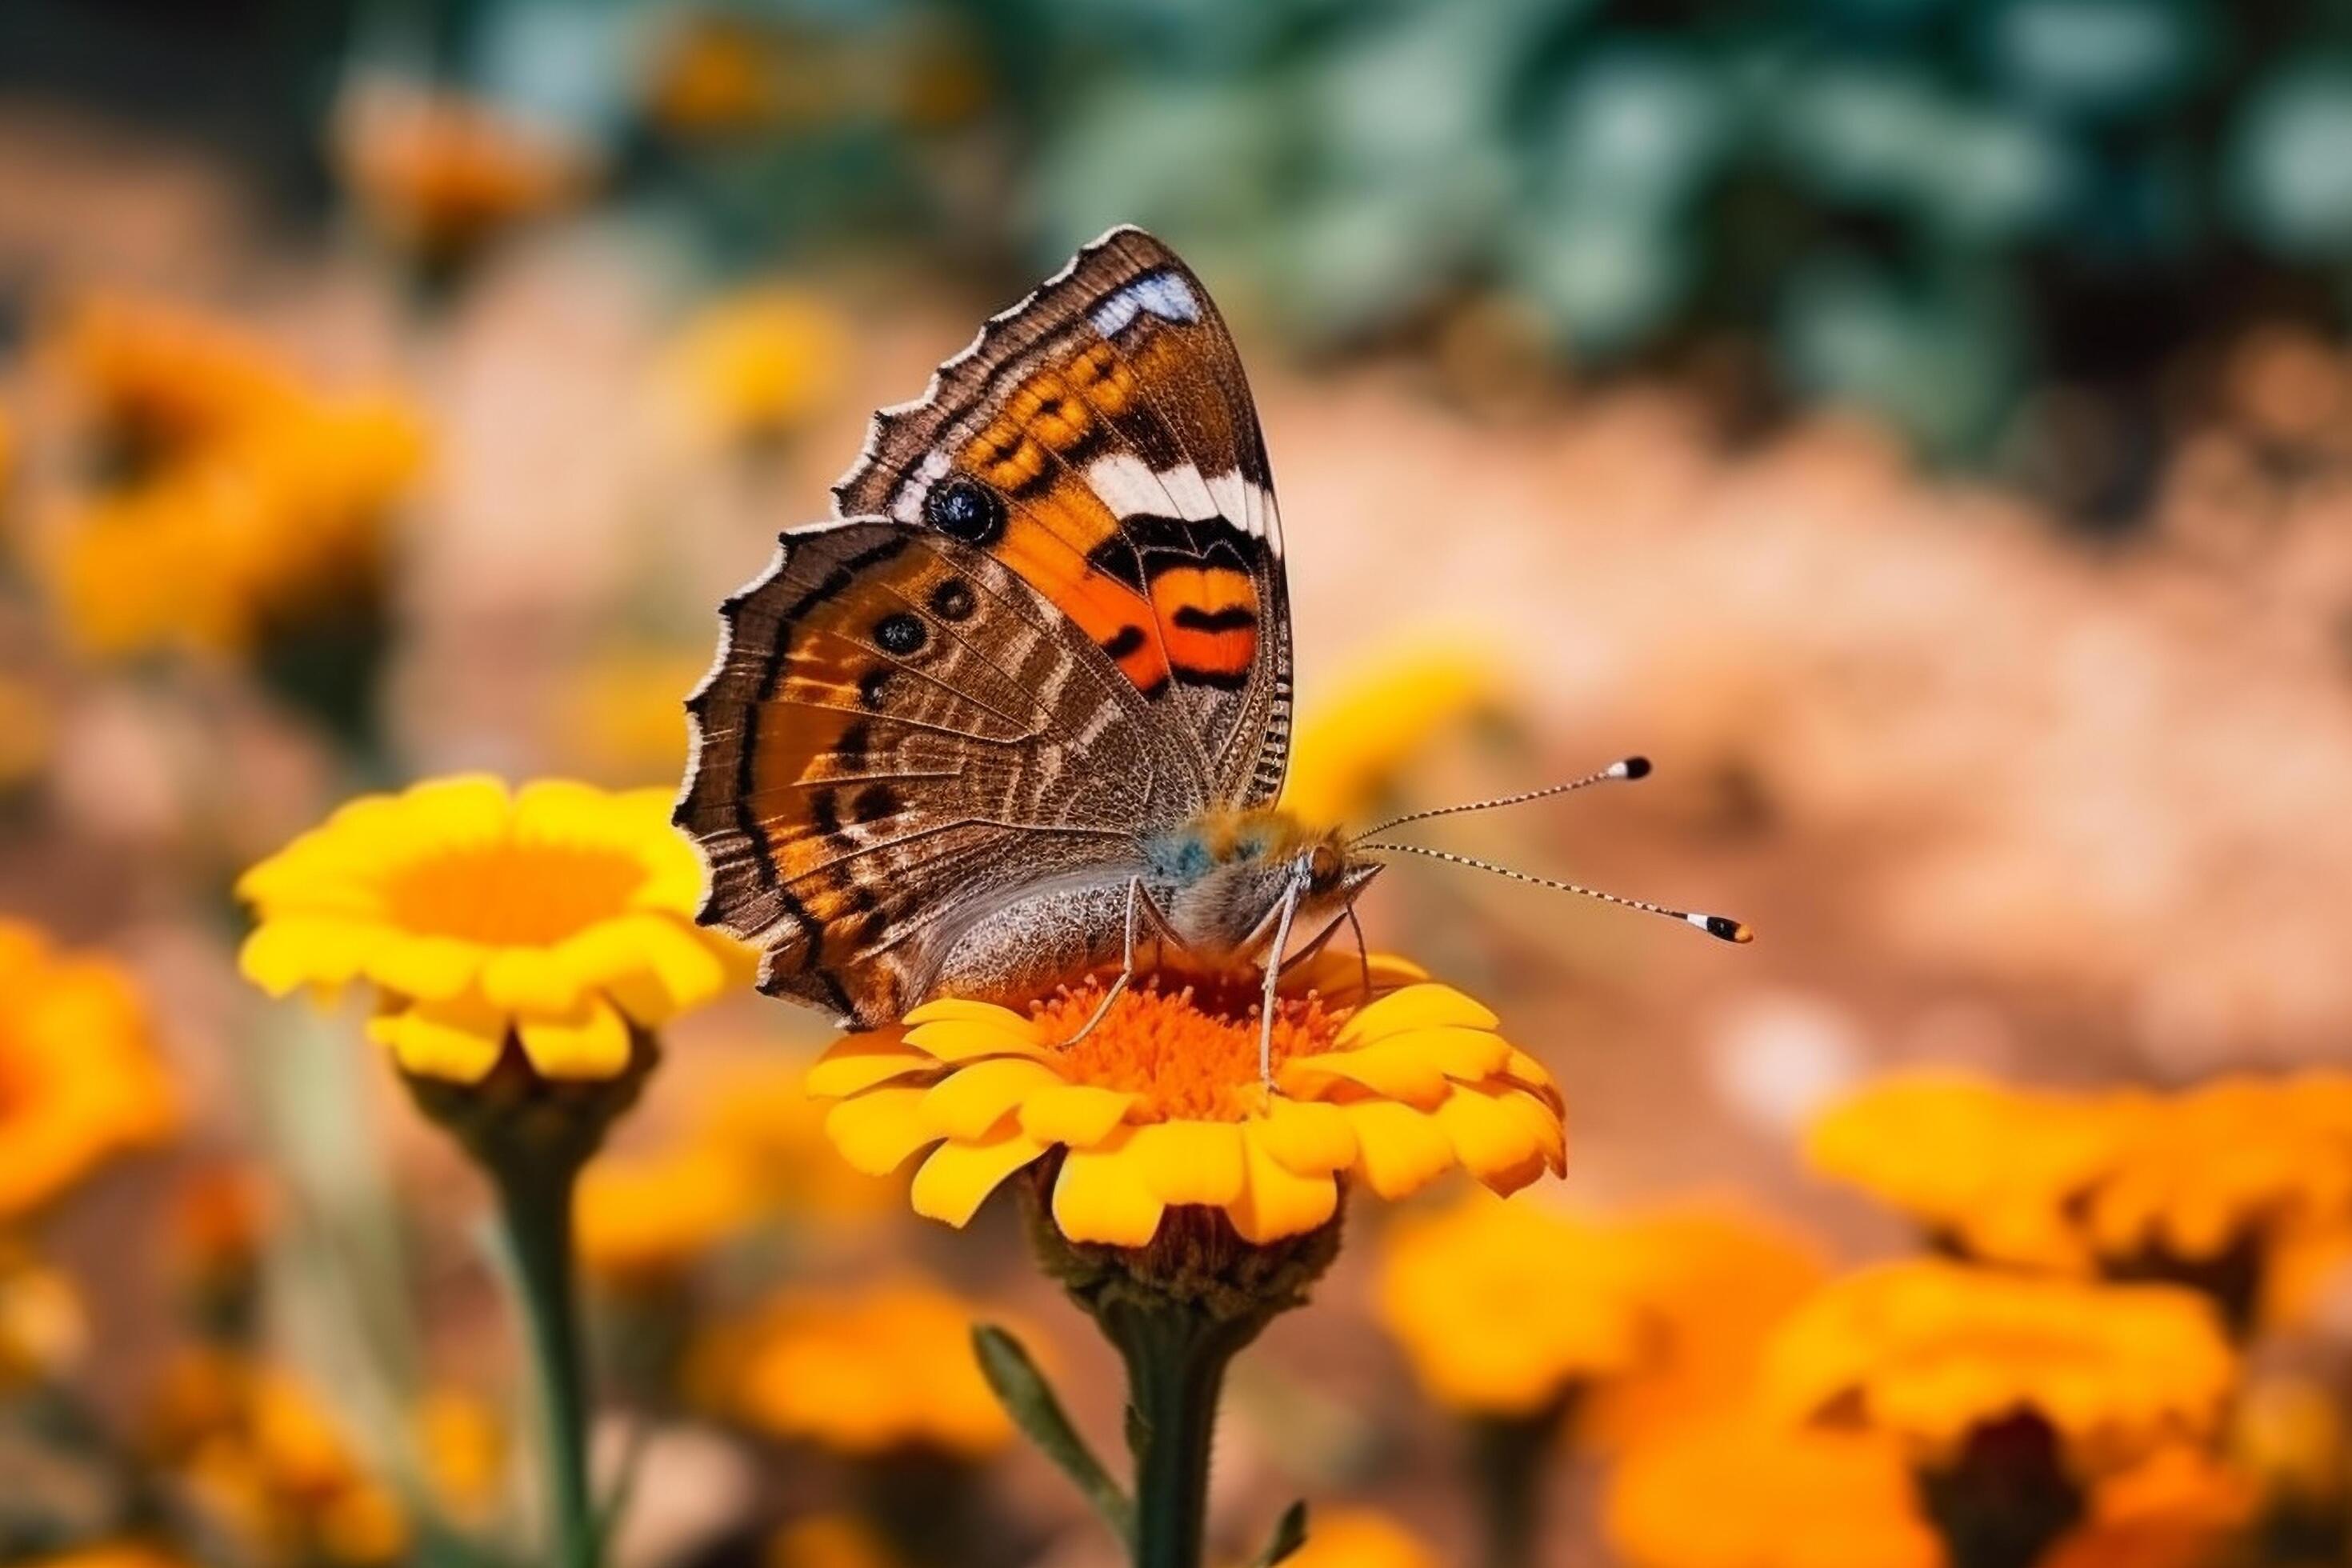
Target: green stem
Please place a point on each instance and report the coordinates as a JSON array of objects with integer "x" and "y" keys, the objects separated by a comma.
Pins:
[
  {"x": 1176, "y": 1359},
  {"x": 1507, "y": 1456},
  {"x": 535, "y": 1204}
]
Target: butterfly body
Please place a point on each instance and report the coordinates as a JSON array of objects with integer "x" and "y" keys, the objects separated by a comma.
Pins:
[{"x": 1033, "y": 680}]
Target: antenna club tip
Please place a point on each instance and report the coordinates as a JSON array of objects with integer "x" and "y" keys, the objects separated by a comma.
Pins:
[
  {"x": 1632, "y": 768},
  {"x": 1724, "y": 928}
]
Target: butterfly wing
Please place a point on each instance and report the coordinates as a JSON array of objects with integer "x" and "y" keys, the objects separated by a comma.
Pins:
[
  {"x": 899, "y": 732},
  {"x": 1099, "y": 438}
]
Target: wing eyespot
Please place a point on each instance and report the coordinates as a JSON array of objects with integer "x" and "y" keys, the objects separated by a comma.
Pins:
[
  {"x": 901, "y": 634},
  {"x": 953, "y": 600},
  {"x": 963, "y": 509}
]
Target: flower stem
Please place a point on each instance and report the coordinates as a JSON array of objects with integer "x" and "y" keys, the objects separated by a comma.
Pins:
[
  {"x": 535, "y": 1204},
  {"x": 1507, "y": 1456},
  {"x": 1176, "y": 1359}
]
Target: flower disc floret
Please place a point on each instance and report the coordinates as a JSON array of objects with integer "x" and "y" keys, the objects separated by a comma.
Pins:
[
  {"x": 1160, "y": 1104},
  {"x": 558, "y": 913}
]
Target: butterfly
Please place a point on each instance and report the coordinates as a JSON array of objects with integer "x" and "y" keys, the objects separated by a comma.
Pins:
[{"x": 1026, "y": 699}]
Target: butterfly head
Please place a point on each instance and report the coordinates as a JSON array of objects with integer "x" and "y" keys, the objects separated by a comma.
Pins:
[{"x": 1228, "y": 876}]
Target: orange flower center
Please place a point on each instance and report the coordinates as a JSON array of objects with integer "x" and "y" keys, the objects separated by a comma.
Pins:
[
  {"x": 513, "y": 895},
  {"x": 1190, "y": 1054}
]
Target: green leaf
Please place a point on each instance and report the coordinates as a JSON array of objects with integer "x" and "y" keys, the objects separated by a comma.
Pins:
[
  {"x": 1289, "y": 1535},
  {"x": 1026, "y": 1397}
]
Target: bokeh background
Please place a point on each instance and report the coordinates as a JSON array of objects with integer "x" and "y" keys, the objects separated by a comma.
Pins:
[{"x": 1923, "y": 427}]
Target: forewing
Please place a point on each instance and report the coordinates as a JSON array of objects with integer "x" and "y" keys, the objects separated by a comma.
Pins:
[
  {"x": 1099, "y": 438},
  {"x": 899, "y": 732}
]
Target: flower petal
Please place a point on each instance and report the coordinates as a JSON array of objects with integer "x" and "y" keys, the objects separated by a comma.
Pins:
[
  {"x": 1188, "y": 1162},
  {"x": 1306, "y": 1137},
  {"x": 1393, "y": 1072},
  {"x": 1078, "y": 1114},
  {"x": 435, "y": 968},
  {"x": 531, "y": 980},
  {"x": 1490, "y": 1140},
  {"x": 876, "y": 1131},
  {"x": 861, "y": 1062},
  {"x": 292, "y": 951},
  {"x": 956, "y": 1180},
  {"x": 590, "y": 1043},
  {"x": 970, "y": 1101},
  {"x": 1276, "y": 1201},
  {"x": 969, "y": 1039},
  {"x": 458, "y": 1041},
  {"x": 1100, "y": 1197},
  {"x": 1423, "y": 1006},
  {"x": 1399, "y": 1149}
]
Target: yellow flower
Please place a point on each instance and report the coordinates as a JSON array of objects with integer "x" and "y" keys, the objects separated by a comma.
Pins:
[
  {"x": 263, "y": 1457},
  {"x": 80, "y": 1082},
  {"x": 643, "y": 1220},
  {"x": 867, "y": 1372},
  {"x": 1505, "y": 1307},
  {"x": 160, "y": 379},
  {"x": 439, "y": 174},
  {"x": 1359, "y": 1538},
  {"x": 276, "y": 523},
  {"x": 556, "y": 913},
  {"x": 1930, "y": 1351},
  {"x": 829, "y": 1541},
  {"x": 1161, "y": 1105},
  {"x": 1740, "y": 1491},
  {"x": 43, "y": 1332},
  {"x": 1991, "y": 1168},
  {"x": 1355, "y": 744},
  {"x": 760, "y": 1119},
  {"x": 757, "y": 364}
]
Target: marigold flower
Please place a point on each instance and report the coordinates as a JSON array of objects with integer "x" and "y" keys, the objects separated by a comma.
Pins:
[
  {"x": 1742, "y": 1491},
  {"x": 1503, "y": 1309},
  {"x": 1990, "y": 1167},
  {"x": 42, "y": 1330},
  {"x": 560, "y": 914},
  {"x": 643, "y": 1220},
  {"x": 1359, "y": 1538},
  {"x": 461, "y": 1446},
  {"x": 1161, "y": 1105},
  {"x": 160, "y": 378},
  {"x": 757, "y": 365},
  {"x": 2173, "y": 1509},
  {"x": 440, "y": 173},
  {"x": 1355, "y": 744},
  {"x": 113, "y": 1555},
  {"x": 264, "y": 1458},
  {"x": 829, "y": 1541},
  {"x": 1931, "y": 1352},
  {"x": 865, "y": 1372},
  {"x": 77, "y": 1055}
]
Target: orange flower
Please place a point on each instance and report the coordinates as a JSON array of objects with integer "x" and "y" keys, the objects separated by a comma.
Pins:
[
  {"x": 1161, "y": 1105},
  {"x": 440, "y": 173},
  {"x": 161, "y": 379},
  {"x": 1742, "y": 1492},
  {"x": 80, "y": 1082},
  {"x": 643, "y": 1220},
  {"x": 2174, "y": 1509},
  {"x": 1359, "y": 1538},
  {"x": 867, "y": 1371}
]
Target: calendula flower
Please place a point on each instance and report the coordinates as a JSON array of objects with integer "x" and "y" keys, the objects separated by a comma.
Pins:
[
  {"x": 878, "y": 1370},
  {"x": 77, "y": 1055},
  {"x": 276, "y": 524},
  {"x": 1356, "y": 743},
  {"x": 1743, "y": 1492},
  {"x": 1504, "y": 1309},
  {"x": 159, "y": 379},
  {"x": 643, "y": 1221},
  {"x": 440, "y": 174},
  {"x": 1160, "y": 1106},
  {"x": 1929, "y": 1351},
  {"x": 267, "y": 1461},
  {"x": 757, "y": 365},
  {"x": 1989, "y": 1168},
  {"x": 1359, "y": 1538},
  {"x": 558, "y": 915}
]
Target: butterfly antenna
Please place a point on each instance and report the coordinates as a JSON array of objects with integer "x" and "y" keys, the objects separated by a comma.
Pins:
[
  {"x": 1625, "y": 768},
  {"x": 1719, "y": 926}
]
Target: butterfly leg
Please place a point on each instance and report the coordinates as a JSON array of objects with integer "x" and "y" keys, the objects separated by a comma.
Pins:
[
  {"x": 1138, "y": 905},
  {"x": 1291, "y": 892}
]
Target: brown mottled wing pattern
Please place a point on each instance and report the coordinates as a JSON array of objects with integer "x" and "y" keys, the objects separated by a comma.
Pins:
[
  {"x": 1099, "y": 438},
  {"x": 900, "y": 731}
]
